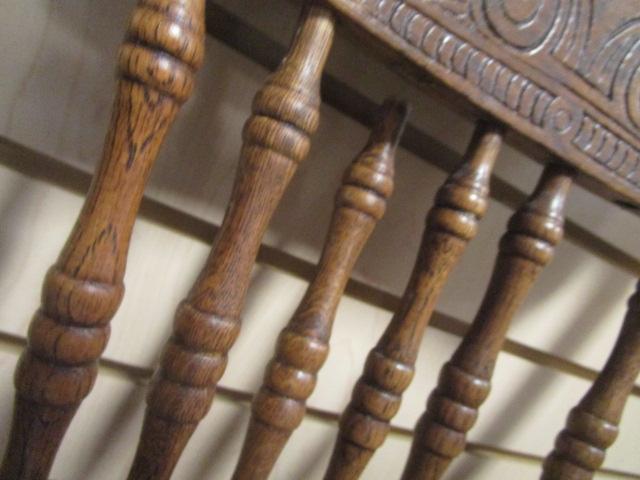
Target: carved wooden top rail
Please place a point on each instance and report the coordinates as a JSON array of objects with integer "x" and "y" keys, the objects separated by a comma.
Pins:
[{"x": 563, "y": 73}]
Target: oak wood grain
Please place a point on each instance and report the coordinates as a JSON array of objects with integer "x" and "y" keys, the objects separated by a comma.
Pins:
[
  {"x": 238, "y": 34},
  {"x": 303, "y": 345},
  {"x": 75, "y": 437},
  {"x": 464, "y": 382},
  {"x": 276, "y": 139},
  {"x": 592, "y": 426},
  {"x": 82, "y": 291},
  {"x": 452, "y": 222}
]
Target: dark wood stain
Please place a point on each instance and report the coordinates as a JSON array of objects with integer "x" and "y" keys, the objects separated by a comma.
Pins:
[
  {"x": 84, "y": 288},
  {"x": 464, "y": 382},
  {"x": 582, "y": 120},
  {"x": 451, "y": 224},
  {"x": 276, "y": 139},
  {"x": 303, "y": 345}
]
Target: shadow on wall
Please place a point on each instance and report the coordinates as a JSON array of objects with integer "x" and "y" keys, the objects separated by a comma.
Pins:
[
  {"x": 196, "y": 169},
  {"x": 12, "y": 201},
  {"x": 127, "y": 411},
  {"x": 535, "y": 389}
]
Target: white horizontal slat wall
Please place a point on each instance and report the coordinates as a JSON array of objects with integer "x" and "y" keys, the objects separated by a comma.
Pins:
[{"x": 55, "y": 98}]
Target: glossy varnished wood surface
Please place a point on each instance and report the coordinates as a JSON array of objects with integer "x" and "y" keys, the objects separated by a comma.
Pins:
[
  {"x": 592, "y": 426},
  {"x": 464, "y": 382},
  {"x": 350, "y": 100},
  {"x": 451, "y": 223},
  {"x": 564, "y": 74},
  {"x": 82, "y": 291},
  {"x": 276, "y": 139},
  {"x": 261, "y": 308},
  {"x": 303, "y": 345}
]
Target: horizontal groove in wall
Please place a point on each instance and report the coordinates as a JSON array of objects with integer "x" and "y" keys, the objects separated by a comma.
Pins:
[
  {"x": 261, "y": 49},
  {"x": 50, "y": 170},
  {"x": 142, "y": 376}
]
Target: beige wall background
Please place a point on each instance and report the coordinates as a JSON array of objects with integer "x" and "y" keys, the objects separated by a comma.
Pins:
[{"x": 56, "y": 89}]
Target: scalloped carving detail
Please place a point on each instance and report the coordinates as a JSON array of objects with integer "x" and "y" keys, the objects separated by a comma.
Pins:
[{"x": 541, "y": 33}]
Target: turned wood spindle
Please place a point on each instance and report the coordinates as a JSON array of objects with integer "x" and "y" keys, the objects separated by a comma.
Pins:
[
  {"x": 276, "y": 138},
  {"x": 592, "y": 426},
  {"x": 464, "y": 382},
  {"x": 303, "y": 345},
  {"x": 452, "y": 222},
  {"x": 82, "y": 291}
]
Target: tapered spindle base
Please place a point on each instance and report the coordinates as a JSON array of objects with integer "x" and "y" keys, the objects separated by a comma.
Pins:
[
  {"x": 258, "y": 457},
  {"x": 36, "y": 434},
  {"x": 424, "y": 465},
  {"x": 158, "y": 455},
  {"x": 348, "y": 461}
]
